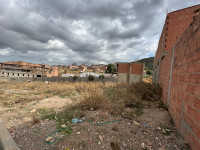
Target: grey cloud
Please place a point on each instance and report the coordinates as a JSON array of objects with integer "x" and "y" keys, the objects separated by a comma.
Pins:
[
  {"x": 115, "y": 46},
  {"x": 91, "y": 31}
]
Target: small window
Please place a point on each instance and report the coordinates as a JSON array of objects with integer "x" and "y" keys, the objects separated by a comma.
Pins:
[
  {"x": 13, "y": 74},
  {"x": 2, "y": 72},
  {"x": 8, "y": 73},
  {"x": 18, "y": 74},
  {"x": 28, "y": 75},
  {"x": 166, "y": 28},
  {"x": 33, "y": 76},
  {"x": 167, "y": 23},
  {"x": 23, "y": 75},
  {"x": 165, "y": 45}
]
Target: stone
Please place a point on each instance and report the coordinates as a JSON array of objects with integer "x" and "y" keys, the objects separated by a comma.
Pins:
[
  {"x": 63, "y": 126},
  {"x": 163, "y": 131},
  {"x": 78, "y": 133},
  {"x": 33, "y": 111},
  {"x": 143, "y": 146},
  {"x": 101, "y": 138},
  {"x": 124, "y": 144},
  {"x": 158, "y": 128},
  {"x": 136, "y": 123},
  {"x": 99, "y": 143},
  {"x": 49, "y": 139}
]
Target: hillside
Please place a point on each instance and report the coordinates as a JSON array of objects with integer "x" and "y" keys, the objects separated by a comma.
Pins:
[{"x": 148, "y": 62}]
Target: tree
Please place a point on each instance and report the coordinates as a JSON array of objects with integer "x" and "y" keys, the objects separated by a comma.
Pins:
[
  {"x": 149, "y": 72},
  {"x": 111, "y": 68}
]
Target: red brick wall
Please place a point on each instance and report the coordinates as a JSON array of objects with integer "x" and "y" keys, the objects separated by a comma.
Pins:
[
  {"x": 184, "y": 98},
  {"x": 164, "y": 75},
  {"x": 185, "y": 88},
  {"x": 123, "y": 68},
  {"x": 137, "y": 68},
  {"x": 175, "y": 24}
]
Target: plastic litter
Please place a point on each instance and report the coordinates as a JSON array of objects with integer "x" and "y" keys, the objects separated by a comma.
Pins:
[
  {"x": 75, "y": 120},
  {"x": 145, "y": 125},
  {"x": 80, "y": 121}
]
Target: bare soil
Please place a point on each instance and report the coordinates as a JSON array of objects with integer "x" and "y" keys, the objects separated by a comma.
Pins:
[
  {"x": 124, "y": 135},
  {"x": 19, "y": 113}
]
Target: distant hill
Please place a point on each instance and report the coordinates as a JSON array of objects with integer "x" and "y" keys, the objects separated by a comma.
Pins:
[{"x": 148, "y": 62}]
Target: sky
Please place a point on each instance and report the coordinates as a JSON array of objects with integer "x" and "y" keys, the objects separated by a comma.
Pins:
[{"x": 62, "y": 32}]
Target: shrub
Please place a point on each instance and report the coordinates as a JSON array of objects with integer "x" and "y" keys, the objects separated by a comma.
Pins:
[
  {"x": 75, "y": 77},
  {"x": 91, "y": 78},
  {"x": 101, "y": 77}
]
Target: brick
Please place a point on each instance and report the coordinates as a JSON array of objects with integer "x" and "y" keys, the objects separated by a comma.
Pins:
[
  {"x": 197, "y": 103},
  {"x": 197, "y": 67},
  {"x": 191, "y": 111},
  {"x": 191, "y": 100},
  {"x": 188, "y": 119},
  {"x": 190, "y": 88},
  {"x": 192, "y": 67},
  {"x": 185, "y": 96},
  {"x": 197, "y": 117},
  {"x": 196, "y": 129},
  {"x": 195, "y": 144},
  {"x": 197, "y": 90},
  {"x": 193, "y": 78},
  {"x": 185, "y": 107}
]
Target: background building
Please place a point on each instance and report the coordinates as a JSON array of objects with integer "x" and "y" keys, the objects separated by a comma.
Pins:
[{"x": 24, "y": 69}]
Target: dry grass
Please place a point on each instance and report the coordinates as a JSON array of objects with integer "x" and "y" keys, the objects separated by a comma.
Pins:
[
  {"x": 110, "y": 97},
  {"x": 23, "y": 92},
  {"x": 115, "y": 98}
]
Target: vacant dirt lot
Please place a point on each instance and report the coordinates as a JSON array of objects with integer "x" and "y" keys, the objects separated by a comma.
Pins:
[{"x": 113, "y": 116}]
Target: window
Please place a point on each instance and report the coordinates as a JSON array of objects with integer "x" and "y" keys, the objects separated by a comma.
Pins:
[
  {"x": 2, "y": 72},
  {"x": 18, "y": 74},
  {"x": 8, "y": 74},
  {"x": 28, "y": 75},
  {"x": 23, "y": 75},
  {"x": 13, "y": 74}
]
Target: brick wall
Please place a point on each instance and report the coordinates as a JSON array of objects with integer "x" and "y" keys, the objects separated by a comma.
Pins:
[
  {"x": 183, "y": 92},
  {"x": 175, "y": 24},
  {"x": 185, "y": 87},
  {"x": 130, "y": 72},
  {"x": 137, "y": 68},
  {"x": 123, "y": 68}
]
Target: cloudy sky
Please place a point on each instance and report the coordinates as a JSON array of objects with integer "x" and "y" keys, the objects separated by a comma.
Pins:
[{"x": 82, "y": 31}]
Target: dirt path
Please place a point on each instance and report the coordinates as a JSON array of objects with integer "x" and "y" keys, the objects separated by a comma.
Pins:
[{"x": 149, "y": 131}]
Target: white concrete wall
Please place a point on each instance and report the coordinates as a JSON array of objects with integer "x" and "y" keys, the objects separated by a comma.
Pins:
[
  {"x": 122, "y": 77},
  {"x": 135, "y": 78},
  {"x": 15, "y": 74}
]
